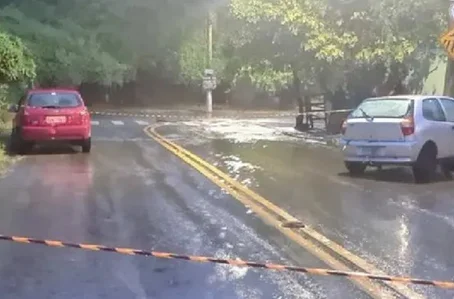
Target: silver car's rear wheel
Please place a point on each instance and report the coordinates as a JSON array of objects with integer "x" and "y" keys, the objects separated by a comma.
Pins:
[
  {"x": 425, "y": 167},
  {"x": 355, "y": 168}
]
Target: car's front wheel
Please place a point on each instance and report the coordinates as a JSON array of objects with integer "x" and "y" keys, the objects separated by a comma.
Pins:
[
  {"x": 86, "y": 145},
  {"x": 355, "y": 168}
]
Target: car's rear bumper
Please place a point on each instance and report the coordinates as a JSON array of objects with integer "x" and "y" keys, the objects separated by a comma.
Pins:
[
  {"x": 70, "y": 133},
  {"x": 404, "y": 153}
]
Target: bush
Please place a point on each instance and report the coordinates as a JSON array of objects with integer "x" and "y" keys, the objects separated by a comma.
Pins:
[
  {"x": 4, "y": 136},
  {"x": 5, "y": 117},
  {"x": 8, "y": 94},
  {"x": 16, "y": 62}
]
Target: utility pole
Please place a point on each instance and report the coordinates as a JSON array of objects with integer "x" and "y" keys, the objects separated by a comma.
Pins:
[
  {"x": 449, "y": 76},
  {"x": 209, "y": 91}
]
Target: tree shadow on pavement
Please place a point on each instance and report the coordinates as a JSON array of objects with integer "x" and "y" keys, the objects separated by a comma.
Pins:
[{"x": 393, "y": 175}]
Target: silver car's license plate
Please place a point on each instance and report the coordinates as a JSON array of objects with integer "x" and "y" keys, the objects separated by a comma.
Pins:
[{"x": 370, "y": 151}]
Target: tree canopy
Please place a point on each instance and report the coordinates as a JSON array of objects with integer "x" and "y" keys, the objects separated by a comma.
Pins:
[
  {"x": 325, "y": 41},
  {"x": 322, "y": 44}
]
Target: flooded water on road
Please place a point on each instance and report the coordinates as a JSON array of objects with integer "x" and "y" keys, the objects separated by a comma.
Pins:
[
  {"x": 383, "y": 217},
  {"x": 388, "y": 221}
]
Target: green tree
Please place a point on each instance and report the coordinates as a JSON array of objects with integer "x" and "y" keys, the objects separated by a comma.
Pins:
[
  {"x": 16, "y": 62},
  {"x": 309, "y": 45},
  {"x": 17, "y": 68},
  {"x": 103, "y": 41},
  {"x": 326, "y": 44}
]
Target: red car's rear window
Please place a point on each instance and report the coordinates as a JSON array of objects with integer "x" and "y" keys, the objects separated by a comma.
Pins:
[{"x": 54, "y": 100}]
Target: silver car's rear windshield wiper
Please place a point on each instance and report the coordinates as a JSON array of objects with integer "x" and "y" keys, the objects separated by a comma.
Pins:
[{"x": 365, "y": 114}]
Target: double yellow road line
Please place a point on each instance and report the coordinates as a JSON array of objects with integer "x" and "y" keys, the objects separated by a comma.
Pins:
[{"x": 320, "y": 246}]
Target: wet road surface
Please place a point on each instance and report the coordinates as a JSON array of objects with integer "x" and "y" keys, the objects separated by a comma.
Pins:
[
  {"x": 383, "y": 217},
  {"x": 131, "y": 192}
]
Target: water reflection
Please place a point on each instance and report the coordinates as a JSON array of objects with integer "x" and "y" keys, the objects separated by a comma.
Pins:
[
  {"x": 403, "y": 235},
  {"x": 75, "y": 174},
  {"x": 382, "y": 216},
  {"x": 427, "y": 201}
]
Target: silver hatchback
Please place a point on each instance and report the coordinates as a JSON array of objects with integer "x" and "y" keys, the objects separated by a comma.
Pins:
[{"x": 413, "y": 130}]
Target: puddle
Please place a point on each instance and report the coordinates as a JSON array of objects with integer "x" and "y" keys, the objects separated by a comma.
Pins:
[{"x": 251, "y": 131}]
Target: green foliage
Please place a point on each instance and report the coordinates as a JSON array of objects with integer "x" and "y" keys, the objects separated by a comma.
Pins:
[
  {"x": 16, "y": 63},
  {"x": 17, "y": 68},
  {"x": 65, "y": 53},
  {"x": 265, "y": 77},
  {"x": 193, "y": 57},
  {"x": 10, "y": 93},
  {"x": 102, "y": 41},
  {"x": 326, "y": 43}
]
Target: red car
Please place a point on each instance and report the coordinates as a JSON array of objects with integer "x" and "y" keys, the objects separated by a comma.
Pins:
[{"x": 50, "y": 115}]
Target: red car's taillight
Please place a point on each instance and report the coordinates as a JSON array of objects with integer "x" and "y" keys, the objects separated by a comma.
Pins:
[
  {"x": 85, "y": 116},
  {"x": 81, "y": 118},
  {"x": 30, "y": 120},
  {"x": 408, "y": 126}
]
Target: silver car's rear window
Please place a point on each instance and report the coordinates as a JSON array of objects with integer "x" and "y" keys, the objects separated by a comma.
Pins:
[{"x": 383, "y": 107}]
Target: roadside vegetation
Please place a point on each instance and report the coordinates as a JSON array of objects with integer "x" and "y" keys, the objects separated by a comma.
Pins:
[
  {"x": 4, "y": 136},
  {"x": 17, "y": 68},
  {"x": 5, "y": 130},
  {"x": 140, "y": 51}
]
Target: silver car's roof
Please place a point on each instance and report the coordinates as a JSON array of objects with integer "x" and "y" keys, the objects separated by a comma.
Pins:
[{"x": 410, "y": 97}]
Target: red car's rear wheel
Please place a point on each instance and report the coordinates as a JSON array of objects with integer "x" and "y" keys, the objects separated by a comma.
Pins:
[
  {"x": 86, "y": 145},
  {"x": 17, "y": 144}
]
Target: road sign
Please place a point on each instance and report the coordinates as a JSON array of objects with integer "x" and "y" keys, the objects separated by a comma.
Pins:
[
  {"x": 447, "y": 40},
  {"x": 209, "y": 83},
  {"x": 208, "y": 72}
]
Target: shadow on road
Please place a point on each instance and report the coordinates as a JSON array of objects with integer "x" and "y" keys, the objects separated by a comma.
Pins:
[
  {"x": 52, "y": 149},
  {"x": 57, "y": 149},
  {"x": 393, "y": 175}
]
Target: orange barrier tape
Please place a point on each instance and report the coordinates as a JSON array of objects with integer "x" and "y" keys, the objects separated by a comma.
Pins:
[{"x": 232, "y": 262}]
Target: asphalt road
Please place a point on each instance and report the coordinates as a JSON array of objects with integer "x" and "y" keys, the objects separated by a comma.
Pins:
[
  {"x": 383, "y": 217},
  {"x": 131, "y": 192}
]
